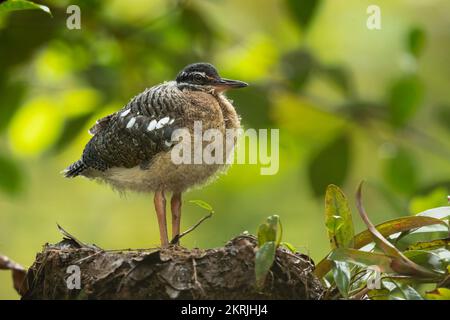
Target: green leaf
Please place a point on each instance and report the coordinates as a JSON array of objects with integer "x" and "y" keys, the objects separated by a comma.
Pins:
[
  {"x": 362, "y": 258},
  {"x": 378, "y": 294},
  {"x": 428, "y": 259},
  {"x": 340, "y": 77},
  {"x": 338, "y": 218},
  {"x": 17, "y": 5},
  {"x": 409, "y": 292},
  {"x": 342, "y": 277},
  {"x": 405, "y": 97},
  {"x": 330, "y": 165},
  {"x": 297, "y": 66},
  {"x": 386, "y": 229},
  {"x": 263, "y": 262},
  {"x": 400, "y": 172},
  {"x": 333, "y": 224},
  {"x": 11, "y": 177},
  {"x": 416, "y": 41},
  {"x": 303, "y": 11},
  {"x": 438, "y": 294},
  {"x": 289, "y": 246},
  {"x": 430, "y": 245},
  {"x": 268, "y": 231},
  {"x": 202, "y": 204}
]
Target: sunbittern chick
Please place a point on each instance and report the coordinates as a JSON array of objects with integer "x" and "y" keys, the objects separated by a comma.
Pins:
[{"x": 130, "y": 149}]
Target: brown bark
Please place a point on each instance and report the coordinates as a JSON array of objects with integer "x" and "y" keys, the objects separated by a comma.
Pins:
[{"x": 172, "y": 273}]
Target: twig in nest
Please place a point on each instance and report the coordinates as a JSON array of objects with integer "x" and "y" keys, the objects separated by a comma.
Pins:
[
  {"x": 196, "y": 282},
  {"x": 178, "y": 237},
  {"x": 78, "y": 242},
  {"x": 70, "y": 237}
]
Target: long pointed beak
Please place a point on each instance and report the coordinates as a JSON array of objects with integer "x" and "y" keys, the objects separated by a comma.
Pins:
[{"x": 226, "y": 84}]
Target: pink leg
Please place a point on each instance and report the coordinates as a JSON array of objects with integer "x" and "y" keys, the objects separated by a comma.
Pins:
[
  {"x": 175, "y": 204},
  {"x": 160, "y": 206}
]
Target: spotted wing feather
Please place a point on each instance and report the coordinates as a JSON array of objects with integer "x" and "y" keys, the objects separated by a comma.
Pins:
[{"x": 135, "y": 134}]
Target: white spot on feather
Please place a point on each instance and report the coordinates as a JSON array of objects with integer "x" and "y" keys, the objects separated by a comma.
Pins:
[
  {"x": 162, "y": 122},
  {"x": 152, "y": 125},
  {"x": 123, "y": 114},
  {"x": 131, "y": 123}
]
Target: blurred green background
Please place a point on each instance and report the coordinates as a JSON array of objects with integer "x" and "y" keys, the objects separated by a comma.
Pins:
[{"x": 351, "y": 104}]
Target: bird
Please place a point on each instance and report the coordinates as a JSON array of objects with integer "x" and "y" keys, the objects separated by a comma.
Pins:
[{"x": 131, "y": 149}]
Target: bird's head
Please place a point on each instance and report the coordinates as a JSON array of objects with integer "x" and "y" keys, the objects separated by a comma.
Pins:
[{"x": 206, "y": 75}]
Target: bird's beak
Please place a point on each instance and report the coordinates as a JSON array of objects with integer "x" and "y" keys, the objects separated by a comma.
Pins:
[{"x": 225, "y": 84}]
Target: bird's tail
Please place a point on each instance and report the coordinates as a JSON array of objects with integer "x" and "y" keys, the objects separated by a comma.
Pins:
[{"x": 74, "y": 169}]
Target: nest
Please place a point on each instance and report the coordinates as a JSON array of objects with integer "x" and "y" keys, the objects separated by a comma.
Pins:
[{"x": 169, "y": 273}]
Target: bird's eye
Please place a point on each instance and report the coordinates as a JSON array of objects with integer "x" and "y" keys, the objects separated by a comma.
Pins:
[{"x": 198, "y": 78}]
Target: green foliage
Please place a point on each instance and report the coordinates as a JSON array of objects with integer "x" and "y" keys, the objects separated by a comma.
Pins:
[
  {"x": 202, "y": 204},
  {"x": 311, "y": 61},
  {"x": 353, "y": 263},
  {"x": 439, "y": 294},
  {"x": 271, "y": 230},
  {"x": 289, "y": 246},
  {"x": 303, "y": 11},
  {"x": 263, "y": 262},
  {"x": 406, "y": 269},
  {"x": 401, "y": 172},
  {"x": 405, "y": 98},
  {"x": 18, "y": 5},
  {"x": 114, "y": 61},
  {"x": 338, "y": 218},
  {"x": 269, "y": 238},
  {"x": 342, "y": 276},
  {"x": 435, "y": 198},
  {"x": 11, "y": 178},
  {"x": 297, "y": 67},
  {"x": 416, "y": 41},
  {"x": 340, "y": 77},
  {"x": 362, "y": 258},
  {"x": 330, "y": 164}
]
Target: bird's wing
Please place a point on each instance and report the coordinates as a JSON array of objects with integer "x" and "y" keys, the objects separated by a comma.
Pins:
[
  {"x": 134, "y": 135},
  {"x": 100, "y": 124}
]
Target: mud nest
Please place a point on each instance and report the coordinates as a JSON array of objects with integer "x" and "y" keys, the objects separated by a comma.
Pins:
[{"x": 173, "y": 273}]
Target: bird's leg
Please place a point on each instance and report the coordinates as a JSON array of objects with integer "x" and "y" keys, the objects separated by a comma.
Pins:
[
  {"x": 160, "y": 206},
  {"x": 175, "y": 206}
]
